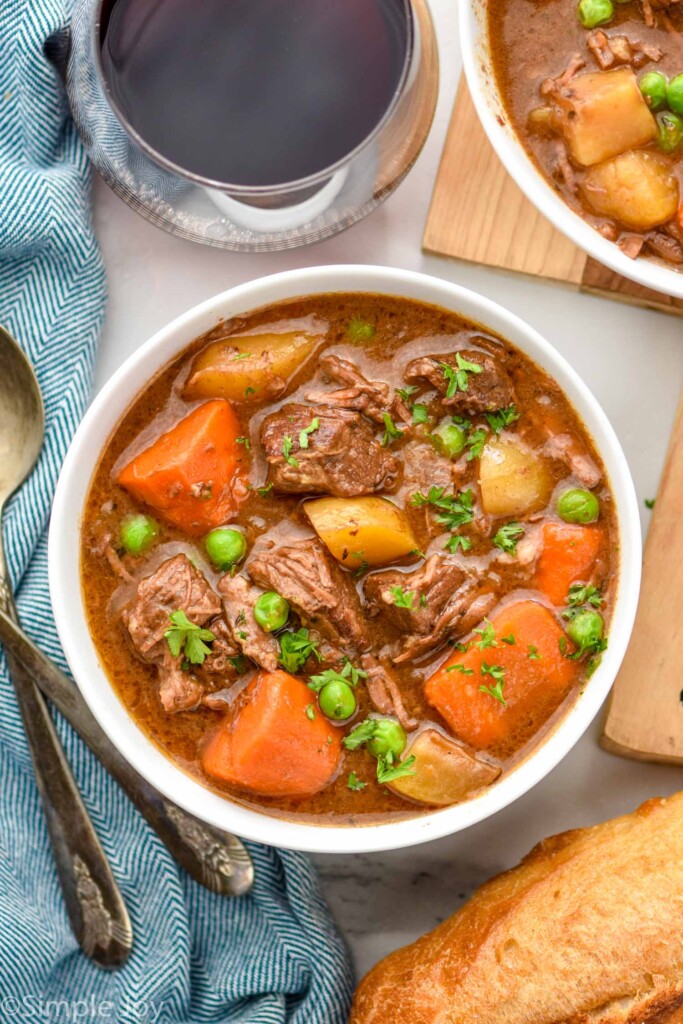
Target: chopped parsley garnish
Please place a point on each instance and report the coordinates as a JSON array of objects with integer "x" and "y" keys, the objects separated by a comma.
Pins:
[
  {"x": 360, "y": 734},
  {"x": 264, "y": 491},
  {"x": 296, "y": 648},
  {"x": 423, "y": 600},
  {"x": 420, "y": 413},
  {"x": 475, "y": 442},
  {"x": 533, "y": 654},
  {"x": 310, "y": 712},
  {"x": 391, "y": 431},
  {"x": 497, "y": 673},
  {"x": 458, "y": 541},
  {"x": 249, "y": 391},
  {"x": 349, "y": 674},
  {"x": 287, "y": 445},
  {"x": 457, "y": 378},
  {"x": 307, "y": 431},
  {"x": 245, "y": 441},
  {"x": 389, "y": 770},
  {"x": 650, "y": 503},
  {"x": 407, "y": 391},
  {"x": 239, "y": 663},
  {"x": 242, "y": 355},
  {"x": 360, "y": 330},
  {"x": 402, "y": 598},
  {"x": 186, "y": 637},
  {"x": 580, "y": 594},
  {"x": 509, "y": 639},
  {"x": 508, "y": 537},
  {"x": 501, "y": 419},
  {"x": 487, "y": 636},
  {"x": 361, "y": 568},
  {"x": 461, "y": 669},
  {"x": 354, "y": 783},
  {"x": 454, "y": 509}
]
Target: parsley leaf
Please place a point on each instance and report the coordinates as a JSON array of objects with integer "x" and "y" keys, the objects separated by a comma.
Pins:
[
  {"x": 287, "y": 445},
  {"x": 263, "y": 492},
  {"x": 360, "y": 734},
  {"x": 508, "y": 537},
  {"x": 389, "y": 770},
  {"x": 355, "y": 783},
  {"x": 501, "y": 419},
  {"x": 391, "y": 431},
  {"x": 304, "y": 434},
  {"x": 650, "y": 503},
  {"x": 245, "y": 441},
  {"x": 402, "y": 598},
  {"x": 533, "y": 654},
  {"x": 461, "y": 669},
  {"x": 360, "y": 330},
  {"x": 310, "y": 712},
  {"x": 509, "y": 640},
  {"x": 497, "y": 673},
  {"x": 457, "y": 379},
  {"x": 349, "y": 674},
  {"x": 458, "y": 541},
  {"x": 454, "y": 509},
  {"x": 296, "y": 648},
  {"x": 475, "y": 442},
  {"x": 187, "y": 637},
  {"x": 242, "y": 355},
  {"x": 579, "y": 594},
  {"x": 420, "y": 413},
  {"x": 407, "y": 391},
  {"x": 487, "y": 634}
]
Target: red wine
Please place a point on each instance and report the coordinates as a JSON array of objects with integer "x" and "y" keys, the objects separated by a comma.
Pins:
[{"x": 254, "y": 92}]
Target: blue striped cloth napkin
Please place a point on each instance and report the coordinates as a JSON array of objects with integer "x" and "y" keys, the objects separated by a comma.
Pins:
[{"x": 269, "y": 958}]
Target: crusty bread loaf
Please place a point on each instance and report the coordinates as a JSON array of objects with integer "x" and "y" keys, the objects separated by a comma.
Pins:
[{"x": 587, "y": 930}]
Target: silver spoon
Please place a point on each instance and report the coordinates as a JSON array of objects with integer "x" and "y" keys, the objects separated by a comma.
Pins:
[
  {"x": 216, "y": 859},
  {"x": 96, "y": 910}
]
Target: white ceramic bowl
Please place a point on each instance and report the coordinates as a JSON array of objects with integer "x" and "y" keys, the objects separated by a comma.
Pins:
[
  {"x": 67, "y": 601},
  {"x": 481, "y": 80}
]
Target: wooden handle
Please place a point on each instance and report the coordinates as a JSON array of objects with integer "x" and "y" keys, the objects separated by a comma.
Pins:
[{"x": 645, "y": 717}]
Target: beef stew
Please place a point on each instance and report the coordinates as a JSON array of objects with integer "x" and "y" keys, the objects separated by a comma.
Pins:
[
  {"x": 594, "y": 91},
  {"x": 349, "y": 558}
]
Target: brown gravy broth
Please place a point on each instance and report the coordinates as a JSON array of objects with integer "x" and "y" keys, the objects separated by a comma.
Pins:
[
  {"x": 404, "y": 330},
  {"x": 533, "y": 41}
]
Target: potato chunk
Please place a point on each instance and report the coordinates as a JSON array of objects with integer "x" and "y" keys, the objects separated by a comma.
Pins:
[
  {"x": 636, "y": 188},
  {"x": 445, "y": 771},
  {"x": 361, "y": 531},
  {"x": 513, "y": 479},
  {"x": 604, "y": 114},
  {"x": 249, "y": 367}
]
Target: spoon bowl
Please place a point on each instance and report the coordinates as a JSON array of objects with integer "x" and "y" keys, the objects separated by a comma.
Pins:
[{"x": 23, "y": 417}]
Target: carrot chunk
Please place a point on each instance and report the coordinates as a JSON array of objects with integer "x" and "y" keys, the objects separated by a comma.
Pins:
[
  {"x": 186, "y": 474},
  {"x": 569, "y": 554},
  {"x": 530, "y": 676},
  {"x": 270, "y": 747}
]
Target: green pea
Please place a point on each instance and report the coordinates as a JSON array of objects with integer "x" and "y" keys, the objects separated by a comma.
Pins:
[
  {"x": 337, "y": 700},
  {"x": 669, "y": 131},
  {"x": 225, "y": 547},
  {"x": 389, "y": 738},
  {"x": 653, "y": 86},
  {"x": 449, "y": 439},
  {"x": 271, "y": 611},
  {"x": 360, "y": 330},
  {"x": 586, "y": 629},
  {"x": 674, "y": 94},
  {"x": 138, "y": 532},
  {"x": 578, "y": 506},
  {"x": 595, "y": 12}
]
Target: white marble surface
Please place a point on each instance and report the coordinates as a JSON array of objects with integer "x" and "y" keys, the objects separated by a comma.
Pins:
[{"x": 633, "y": 361}]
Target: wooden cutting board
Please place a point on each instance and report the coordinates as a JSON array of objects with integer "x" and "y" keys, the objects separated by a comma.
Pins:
[
  {"x": 645, "y": 717},
  {"x": 478, "y": 214}
]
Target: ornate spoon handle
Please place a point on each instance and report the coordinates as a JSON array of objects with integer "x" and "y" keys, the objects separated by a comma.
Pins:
[
  {"x": 216, "y": 859},
  {"x": 94, "y": 903}
]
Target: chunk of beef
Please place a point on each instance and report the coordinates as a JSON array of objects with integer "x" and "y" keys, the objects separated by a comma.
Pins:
[
  {"x": 568, "y": 449},
  {"x": 342, "y": 457},
  {"x": 384, "y": 692},
  {"x": 552, "y": 87},
  {"x": 371, "y": 397},
  {"x": 482, "y": 392},
  {"x": 175, "y": 586},
  {"x": 616, "y": 49},
  {"x": 447, "y": 602},
  {"x": 323, "y": 594},
  {"x": 426, "y": 591},
  {"x": 239, "y": 597},
  {"x": 219, "y": 663}
]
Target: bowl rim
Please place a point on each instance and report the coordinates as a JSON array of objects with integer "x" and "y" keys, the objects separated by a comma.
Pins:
[
  {"x": 492, "y": 114},
  {"x": 64, "y": 562}
]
